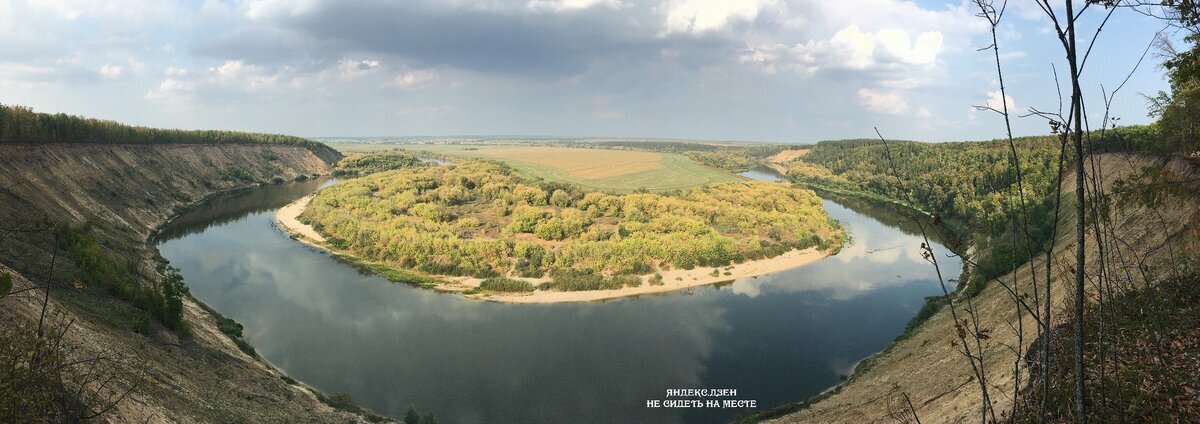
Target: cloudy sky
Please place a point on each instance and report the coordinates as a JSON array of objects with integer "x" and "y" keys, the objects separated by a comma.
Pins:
[{"x": 762, "y": 70}]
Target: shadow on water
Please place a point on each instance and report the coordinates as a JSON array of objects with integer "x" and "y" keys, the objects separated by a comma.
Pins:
[
  {"x": 231, "y": 207},
  {"x": 763, "y": 173},
  {"x": 776, "y": 338}
]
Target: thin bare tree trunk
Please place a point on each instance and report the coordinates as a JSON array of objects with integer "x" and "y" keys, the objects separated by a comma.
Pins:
[{"x": 1080, "y": 210}]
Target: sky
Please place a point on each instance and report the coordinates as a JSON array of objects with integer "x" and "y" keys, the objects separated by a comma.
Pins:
[{"x": 750, "y": 70}]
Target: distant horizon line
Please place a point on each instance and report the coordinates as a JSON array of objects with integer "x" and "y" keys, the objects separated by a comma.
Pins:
[{"x": 645, "y": 138}]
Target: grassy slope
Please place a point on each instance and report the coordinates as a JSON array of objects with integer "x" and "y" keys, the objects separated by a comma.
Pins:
[{"x": 675, "y": 172}]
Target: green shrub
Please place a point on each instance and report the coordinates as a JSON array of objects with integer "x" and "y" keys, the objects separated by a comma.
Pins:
[
  {"x": 96, "y": 267},
  {"x": 932, "y": 305},
  {"x": 230, "y": 327},
  {"x": 580, "y": 280},
  {"x": 502, "y": 284},
  {"x": 141, "y": 324},
  {"x": 342, "y": 401}
]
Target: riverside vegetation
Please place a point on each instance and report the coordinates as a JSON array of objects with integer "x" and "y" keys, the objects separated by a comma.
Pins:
[{"x": 484, "y": 219}]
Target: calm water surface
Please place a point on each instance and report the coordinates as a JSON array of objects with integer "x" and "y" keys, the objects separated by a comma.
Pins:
[
  {"x": 776, "y": 338},
  {"x": 763, "y": 173}
]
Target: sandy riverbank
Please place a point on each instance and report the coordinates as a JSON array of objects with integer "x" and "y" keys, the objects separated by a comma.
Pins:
[
  {"x": 677, "y": 279},
  {"x": 288, "y": 219}
]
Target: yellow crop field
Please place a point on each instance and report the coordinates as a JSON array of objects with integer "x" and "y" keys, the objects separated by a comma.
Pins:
[
  {"x": 599, "y": 169},
  {"x": 588, "y": 164}
]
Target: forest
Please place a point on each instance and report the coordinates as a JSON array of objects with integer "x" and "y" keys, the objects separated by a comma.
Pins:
[
  {"x": 20, "y": 124},
  {"x": 361, "y": 164},
  {"x": 484, "y": 219},
  {"x": 968, "y": 186}
]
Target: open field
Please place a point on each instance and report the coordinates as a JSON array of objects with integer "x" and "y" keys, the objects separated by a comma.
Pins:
[{"x": 599, "y": 169}]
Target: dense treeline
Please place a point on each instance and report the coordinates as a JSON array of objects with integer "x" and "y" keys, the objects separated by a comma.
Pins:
[
  {"x": 483, "y": 219},
  {"x": 965, "y": 180},
  {"x": 378, "y": 162},
  {"x": 968, "y": 184},
  {"x": 730, "y": 161},
  {"x": 20, "y": 124}
]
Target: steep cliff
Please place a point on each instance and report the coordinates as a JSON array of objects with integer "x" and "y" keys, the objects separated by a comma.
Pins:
[{"x": 122, "y": 193}]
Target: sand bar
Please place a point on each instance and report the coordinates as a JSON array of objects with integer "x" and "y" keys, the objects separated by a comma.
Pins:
[{"x": 288, "y": 219}]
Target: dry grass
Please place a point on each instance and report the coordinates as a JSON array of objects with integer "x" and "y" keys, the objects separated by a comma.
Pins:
[
  {"x": 589, "y": 164},
  {"x": 787, "y": 156}
]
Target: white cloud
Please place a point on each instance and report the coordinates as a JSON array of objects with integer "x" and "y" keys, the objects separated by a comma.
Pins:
[
  {"x": 229, "y": 70},
  {"x": 862, "y": 50},
  {"x": 889, "y": 102},
  {"x": 994, "y": 102},
  {"x": 698, "y": 16},
  {"x": 855, "y": 48},
  {"x": 415, "y": 79},
  {"x": 923, "y": 112},
  {"x": 954, "y": 21},
  {"x": 232, "y": 76},
  {"x": 170, "y": 87},
  {"x": 572, "y": 5},
  {"x": 851, "y": 48},
  {"x": 269, "y": 9},
  {"x": 923, "y": 52},
  {"x": 111, "y": 71}
]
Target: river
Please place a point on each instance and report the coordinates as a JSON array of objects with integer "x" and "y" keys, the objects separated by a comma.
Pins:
[{"x": 775, "y": 339}]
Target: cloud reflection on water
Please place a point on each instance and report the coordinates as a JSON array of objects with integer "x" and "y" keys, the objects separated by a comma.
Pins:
[{"x": 393, "y": 346}]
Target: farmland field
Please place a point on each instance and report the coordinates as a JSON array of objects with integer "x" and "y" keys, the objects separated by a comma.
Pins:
[{"x": 599, "y": 169}]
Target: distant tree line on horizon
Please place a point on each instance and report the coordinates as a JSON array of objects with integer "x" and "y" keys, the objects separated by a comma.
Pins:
[{"x": 20, "y": 124}]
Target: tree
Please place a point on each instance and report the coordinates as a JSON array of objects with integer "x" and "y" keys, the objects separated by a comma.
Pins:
[
  {"x": 1179, "y": 110},
  {"x": 560, "y": 198}
]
